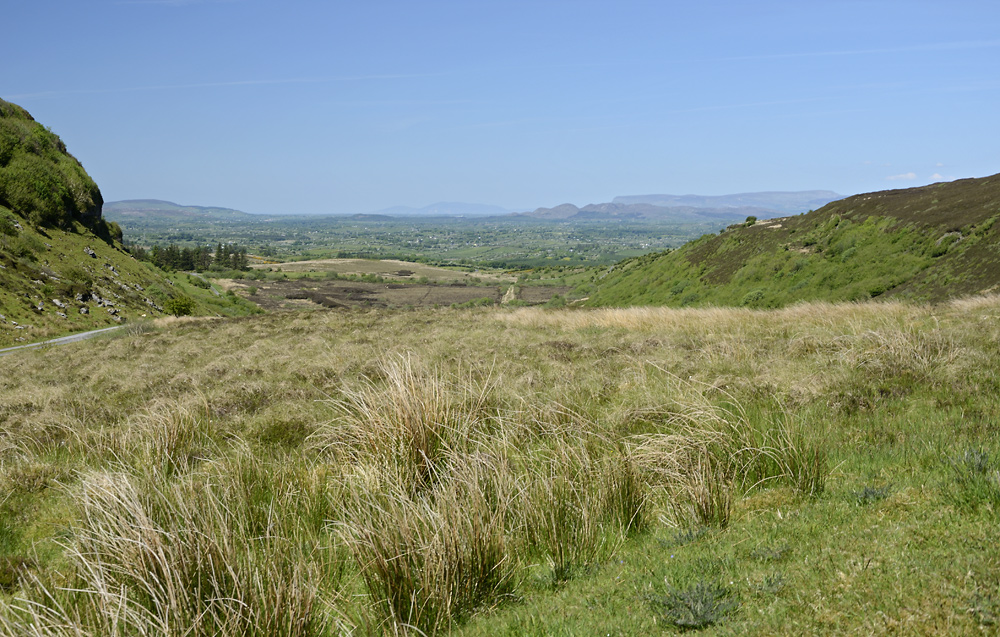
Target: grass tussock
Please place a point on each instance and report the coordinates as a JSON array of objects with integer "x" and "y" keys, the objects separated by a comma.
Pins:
[
  {"x": 708, "y": 456},
  {"x": 296, "y": 474},
  {"x": 212, "y": 555}
]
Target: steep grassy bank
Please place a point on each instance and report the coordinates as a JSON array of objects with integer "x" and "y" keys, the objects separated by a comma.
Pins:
[{"x": 823, "y": 468}]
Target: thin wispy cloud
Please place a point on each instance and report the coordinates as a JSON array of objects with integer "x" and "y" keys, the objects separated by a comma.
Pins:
[{"x": 902, "y": 177}]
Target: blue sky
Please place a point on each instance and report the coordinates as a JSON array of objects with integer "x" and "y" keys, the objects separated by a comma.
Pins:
[{"x": 326, "y": 106}]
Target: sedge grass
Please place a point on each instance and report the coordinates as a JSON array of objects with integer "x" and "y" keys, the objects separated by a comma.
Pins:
[{"x": 545, "y": 456}]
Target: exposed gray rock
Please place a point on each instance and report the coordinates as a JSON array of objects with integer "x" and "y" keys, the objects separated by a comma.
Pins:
[
  {"x": 59, "y": 304},
  {"x": 84, "y": 310},
  {"x": 93, "y": 255},
  {"x": 60, "y": 314}
]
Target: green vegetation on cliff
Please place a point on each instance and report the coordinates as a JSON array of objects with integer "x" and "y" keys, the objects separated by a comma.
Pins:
[
  {"x": 39, "y": 179},
  {"x": 62, "y": 266},
  {"x": 930, "y": 243}
]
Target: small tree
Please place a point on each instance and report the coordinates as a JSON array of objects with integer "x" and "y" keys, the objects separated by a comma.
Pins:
[
  {"x": 751, "y": 220},
  {"x": 180, "y": 306}
]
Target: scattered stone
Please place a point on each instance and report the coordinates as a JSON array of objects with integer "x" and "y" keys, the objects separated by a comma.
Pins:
[
  {"x": 59, "y": 304},
  {"x": 84, "y": 310},
  {"x": 60, "y": 314},
  {"x": 40, "y": 306},
  {"x": 18, "y": 327},
  {"x": 112, "y": 311},
  {"x": 137, "y": 286},
  {"x": 117, "y": 318},
  {"x": 93, "y": 255}
]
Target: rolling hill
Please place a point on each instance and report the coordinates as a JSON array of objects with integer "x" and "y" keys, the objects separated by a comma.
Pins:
[
  {"x": 133, "y": 209},
  {"x": 929, "y": 244}
]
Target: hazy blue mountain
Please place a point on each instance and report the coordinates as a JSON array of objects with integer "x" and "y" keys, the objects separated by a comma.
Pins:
[
  {"x": 782, "y": 202},
  {"x": 676, "y": 214},
  {"x": 133, "y": 209}
]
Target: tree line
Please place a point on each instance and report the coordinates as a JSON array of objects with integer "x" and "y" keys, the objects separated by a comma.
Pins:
[{"x": 174, "y": 257}]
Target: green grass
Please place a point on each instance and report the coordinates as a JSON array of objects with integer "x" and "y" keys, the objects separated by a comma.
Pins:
[{"x": 818, "y": 469}]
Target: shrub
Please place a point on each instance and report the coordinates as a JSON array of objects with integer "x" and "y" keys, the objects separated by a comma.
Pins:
[
  {"x": 179, "y": 306},
  {"x": 198, "y": 282},
  {"x": 7, "y": 226},
  {"x": 753, "y": 297}
]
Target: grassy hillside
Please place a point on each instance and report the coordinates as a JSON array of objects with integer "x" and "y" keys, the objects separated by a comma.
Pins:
[
  {"x": 818, "y": 469},
  {"x": 62, "y": 266},
  {"x": 930, "y": 243}
]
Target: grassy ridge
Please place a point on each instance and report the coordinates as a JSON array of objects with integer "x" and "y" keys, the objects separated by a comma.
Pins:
[
  {"x": 823, "y": 468},
  {"x": 930, "y": 243}
]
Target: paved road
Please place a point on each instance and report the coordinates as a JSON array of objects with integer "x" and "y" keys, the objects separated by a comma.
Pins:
[{"x": 72, "y": 338}]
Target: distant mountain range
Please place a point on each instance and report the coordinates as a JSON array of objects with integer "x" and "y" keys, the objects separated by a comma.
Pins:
[
  {"x": 784, "y": 202},
  {"x": 677, "y": 208},
  {"x": 694, "y": 208},
  {"x": 677, "y": 214}
]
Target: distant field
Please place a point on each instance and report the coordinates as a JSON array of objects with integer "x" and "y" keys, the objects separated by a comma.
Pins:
[
  {"x": 387, "y": 268},
  {"x": 309, "y": 293}
]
